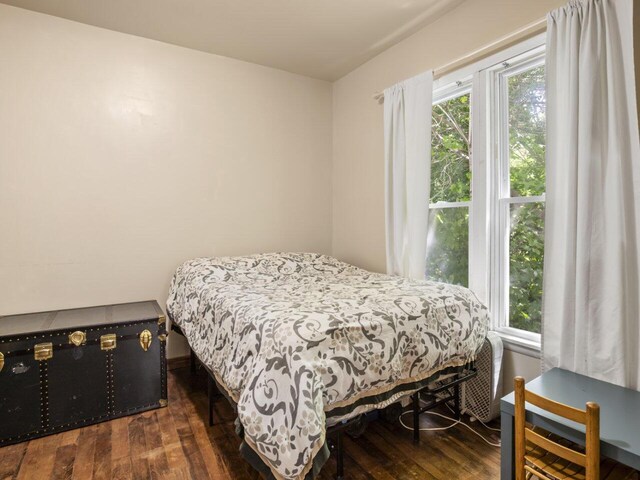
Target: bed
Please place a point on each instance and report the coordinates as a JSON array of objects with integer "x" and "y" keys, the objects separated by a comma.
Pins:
[{"x": 300, "y": 342}]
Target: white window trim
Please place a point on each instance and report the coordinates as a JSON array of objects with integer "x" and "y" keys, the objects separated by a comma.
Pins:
[
  {"x": 497, "y": 77},
  {"x": 466, "y": 73},
  {"x": 439, "y": 205},
  {"x": 484, "y": 205}
]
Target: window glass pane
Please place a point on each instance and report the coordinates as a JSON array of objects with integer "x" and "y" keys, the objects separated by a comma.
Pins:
[
  {"x": 527, "y": 101},
  {"x": 448, "y": 245},
  {"x": 526, "y": 253},
  {"x": 450, "y": 151}
]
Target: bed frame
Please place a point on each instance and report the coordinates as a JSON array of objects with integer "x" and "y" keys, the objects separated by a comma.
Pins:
[{"x": 446, "y": 390}]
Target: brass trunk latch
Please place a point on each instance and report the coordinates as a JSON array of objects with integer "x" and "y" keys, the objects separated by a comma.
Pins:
[
  {"x": 108, "y": 342},
  {"x": 43, "y": 351},
  {"x": 1, "y": 361},
  {"x": 145, "y": 339},
  {"x": 78, "y": 338}
]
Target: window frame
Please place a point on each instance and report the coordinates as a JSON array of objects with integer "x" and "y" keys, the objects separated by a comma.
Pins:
[
  {"x": 488, "y": 232},
  {"x": 498, "y": 77}
]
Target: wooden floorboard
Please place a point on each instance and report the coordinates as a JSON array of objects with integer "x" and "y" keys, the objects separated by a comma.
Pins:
[{"x": 176, "y": 443}]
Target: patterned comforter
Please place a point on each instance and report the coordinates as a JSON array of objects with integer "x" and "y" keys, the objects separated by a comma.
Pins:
[{"x": 298, "y": 338}]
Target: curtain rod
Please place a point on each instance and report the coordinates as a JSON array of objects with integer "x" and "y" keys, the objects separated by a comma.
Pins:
[{"x": 523, "y": 33}]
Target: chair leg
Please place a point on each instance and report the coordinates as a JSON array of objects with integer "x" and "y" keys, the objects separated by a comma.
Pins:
[
  {"x": 339, "y": 457},
  {"x": 416, "y": 417},
  {"x": 192, "y": 362},
  {"x": 210, "y": 388}
]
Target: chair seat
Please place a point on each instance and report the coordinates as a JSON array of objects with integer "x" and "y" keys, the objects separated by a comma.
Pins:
[{"x": 552, "y": 467}]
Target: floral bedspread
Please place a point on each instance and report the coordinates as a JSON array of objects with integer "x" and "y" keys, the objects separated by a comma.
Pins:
[{"x": 293, "y": 336}]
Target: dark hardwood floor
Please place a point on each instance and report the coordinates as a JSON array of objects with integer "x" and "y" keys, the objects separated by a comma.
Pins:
[{"x": 176, "y": 443}]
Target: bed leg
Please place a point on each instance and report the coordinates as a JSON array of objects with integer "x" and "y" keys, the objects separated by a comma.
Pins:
[
  {"x": 192, "y": 361},
  {"x": 416, "y": 417},
  {"x": 339, "y": 457},
  {"x": 210, "y": 391},
  {"x": 456, "y": 401}
]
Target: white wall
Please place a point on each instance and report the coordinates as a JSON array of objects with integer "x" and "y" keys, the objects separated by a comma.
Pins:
[
  {"x": 121, "y": 157},
  {"x": 516, "y": 364}
]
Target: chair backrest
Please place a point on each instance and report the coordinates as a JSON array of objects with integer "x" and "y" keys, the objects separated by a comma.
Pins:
[{"x": 590, "y": 417}]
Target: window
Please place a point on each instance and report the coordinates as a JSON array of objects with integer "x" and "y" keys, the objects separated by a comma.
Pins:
[
  {"x": 486, "y": 211},
  {"x": 448, "y": 242},
  {"x": 520, "y": 101}
]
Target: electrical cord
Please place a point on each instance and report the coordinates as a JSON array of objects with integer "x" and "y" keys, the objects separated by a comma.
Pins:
[
  {"x": 455, "y": 422},
  {"x": 473, "y": 417}
]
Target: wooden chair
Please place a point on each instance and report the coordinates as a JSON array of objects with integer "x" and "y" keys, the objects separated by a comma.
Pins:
[{"x": 543, "y": 456}]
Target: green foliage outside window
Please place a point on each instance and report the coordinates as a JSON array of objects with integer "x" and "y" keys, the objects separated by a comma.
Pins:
[
  {"x": 527, "y": 102},
  {"x": 451, "y": 151},
  {"x": 448, "y": 246}
]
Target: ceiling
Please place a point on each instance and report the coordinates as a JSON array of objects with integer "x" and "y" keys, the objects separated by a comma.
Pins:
[{"x": 319, "y": 38}]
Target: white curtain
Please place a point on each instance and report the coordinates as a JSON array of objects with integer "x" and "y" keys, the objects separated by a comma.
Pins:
[
  {"x": 407, "y": 142},
  {"x": 592, "y": 248}
]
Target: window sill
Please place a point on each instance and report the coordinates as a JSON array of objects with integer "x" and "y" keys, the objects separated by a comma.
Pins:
[{"x": 520, "y": 345}]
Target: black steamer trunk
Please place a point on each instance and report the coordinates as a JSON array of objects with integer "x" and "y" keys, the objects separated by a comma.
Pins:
[{"x": 66, "y": 369}]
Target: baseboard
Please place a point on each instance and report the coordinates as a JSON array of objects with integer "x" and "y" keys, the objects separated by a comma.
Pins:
[{"x": 178, "y": 362}]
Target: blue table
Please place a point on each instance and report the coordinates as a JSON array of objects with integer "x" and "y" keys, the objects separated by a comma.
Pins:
[{"x": 619, "y": 416}]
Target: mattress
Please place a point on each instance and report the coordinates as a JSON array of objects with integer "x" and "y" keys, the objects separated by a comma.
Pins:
[{"x": 301, "y": 340}]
